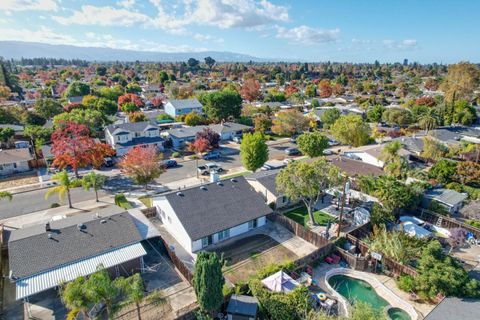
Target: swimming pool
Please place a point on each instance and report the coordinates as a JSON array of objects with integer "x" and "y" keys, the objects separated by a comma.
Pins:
[{"x": 358, "y": 290}]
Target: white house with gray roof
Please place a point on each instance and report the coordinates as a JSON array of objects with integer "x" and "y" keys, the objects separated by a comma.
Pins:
[
  {"x": 450, "y": 199},
  {"x": 199, "y": 217},
  {"x": 176, "y": 108},
  {"x": 14, "y": 161},
  {"x": 123, "y": 137}
]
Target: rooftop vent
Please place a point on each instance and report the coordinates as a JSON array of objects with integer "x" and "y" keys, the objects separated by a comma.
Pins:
[
  {"x": 103, "y": 221},
  {"x": 219, "y": 183},
  {"x": 47, "y": 226},
  {"x": 180, "y": 194},
  {"x": 50, "y": 236},
  {"x": 203, "y": 188},
  {"x": 233, "y": 180},
  {"x": 81, "y": 226}
]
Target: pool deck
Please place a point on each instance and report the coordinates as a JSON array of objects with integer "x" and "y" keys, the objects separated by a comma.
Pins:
[{"x": 384, "y": 285}]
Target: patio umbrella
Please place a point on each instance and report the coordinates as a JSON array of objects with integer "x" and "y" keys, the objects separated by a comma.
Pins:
[{"x": 280, "y": 282}]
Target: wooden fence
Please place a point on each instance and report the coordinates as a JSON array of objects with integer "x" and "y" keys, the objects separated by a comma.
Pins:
[
  {"x": 299, "y": 230},
  {"x": 182, "y": 268},
  {"x": 355, "y": 262},
  {"x": 446, "y": 222},
  {"x": 149, "y": 212}
]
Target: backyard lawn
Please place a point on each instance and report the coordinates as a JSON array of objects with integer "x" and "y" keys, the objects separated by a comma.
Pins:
[{"x": 300, "y": 215}]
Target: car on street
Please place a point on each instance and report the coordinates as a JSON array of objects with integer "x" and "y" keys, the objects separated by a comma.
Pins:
[
  {"x": 212, "y": 166},
  {"x": 108, "y": 162},
  {"x": 170, "y": 163},
  {"x": 203, "y": 170},
  {"x": 292, "y": 151},
  {"x": 212, "y": 155},
  {"x": 332, "y": 143},
  {"x": 237, "y": 139}
]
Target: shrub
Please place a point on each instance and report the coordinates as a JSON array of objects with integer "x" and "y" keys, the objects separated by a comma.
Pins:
[
  {"x": 271, "y": 268},
  {"x": 54, "y": 205},
  {"x": 406, "y": 283},
  {"x": 473, "y": 223},
  {"x": 121, "y": 201},
  {"x": 176, "y": 154}
]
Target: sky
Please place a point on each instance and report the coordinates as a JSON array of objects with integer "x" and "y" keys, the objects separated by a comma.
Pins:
[{"x": 426, "y": 31}]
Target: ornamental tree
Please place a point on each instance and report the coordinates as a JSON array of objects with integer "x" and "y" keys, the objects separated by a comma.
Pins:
[
  {"x": 208, "y": 281},
  {"x": 351, "y": 130},
  {"x": 253, "y": 151},
  {"x": 312, "y": 143},
  {"x": 329, "y": 116},
  {"x": 142, "y": 165},
  {"x": 307, "y": 181},
  {"x": 289, "y": 122},
  {"x": 129, "y": 102},
  {"x": 222, "y": 105},
  {"x": 211, "y": 136},
  {"x": 250, "y": 90}
]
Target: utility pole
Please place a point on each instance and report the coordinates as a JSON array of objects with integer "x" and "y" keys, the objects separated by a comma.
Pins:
[{"x": 343, "y": 205}]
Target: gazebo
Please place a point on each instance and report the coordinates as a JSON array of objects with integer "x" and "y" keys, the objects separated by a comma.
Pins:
[{"x": 280, "y": 282}]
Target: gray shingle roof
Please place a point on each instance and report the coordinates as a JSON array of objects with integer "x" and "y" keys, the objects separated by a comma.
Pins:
[
  {"x": 452, "y": 308},
  {"x": 186, "y": 103},
  {"x": 454, "y": 134},
  {"x": 133, "y": 127},
  {"x": 15, "y": 155},
  {"x": 218, "y": 207},
  {"x": 185, "y": 132},
  {"x": 447, "y": 196},
  {"x": 243, "y": 305},
  {"x": 32, "y": 252},
  {"x": 226, "y": 127},
  {"x": 140, "y": 140},
  {"x": 266, "y": 179}
]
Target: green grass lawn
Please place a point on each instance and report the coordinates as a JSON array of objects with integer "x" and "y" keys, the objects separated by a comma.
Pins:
[
  {"x": 146, "y": 200},
  {"x": 300, "y": 215}
]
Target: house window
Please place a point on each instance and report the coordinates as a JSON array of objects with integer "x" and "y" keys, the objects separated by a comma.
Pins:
[
  {"x": 169, "y": 219},
  {"x": 252, "y": 224},
  {"x": 206, "y": 241},
  {"x": 15, "y": 165},
  {"x": 223, "y": 234}
]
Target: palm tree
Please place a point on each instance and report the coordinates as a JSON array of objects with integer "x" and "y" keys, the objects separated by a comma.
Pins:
[
  {"x": 74, "y": 297},
  {"x": 93, "y": 181},
  {"x": 100, "y": 288},
  {"x": 134, "y": 291},
  {"x": 65, "y": 184},
  {"x": 6, "y": 195},
  {"x": 429, "y": 120}
]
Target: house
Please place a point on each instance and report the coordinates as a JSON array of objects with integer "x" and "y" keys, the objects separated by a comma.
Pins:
[
  {"x": 354, "y": 168},
  {"x": 44, "y": 256},
  {"x": 371, "y": 154},
  {"x": 450, "y": 199},
  {"x": 176, "y": 108},
  {"x": 226, "y": 130},
  {"x": 201, "y": 216},
  {"x": 264, "y": 182},
  {"x": 453, "y": 308},
  {"x": 14, "y": 161},
  {"x": 241, "y": 307},
  {"x": 412, "y": 144},
  {"x": 123, "y": 137},
  {"x": 454, "y": 135}
]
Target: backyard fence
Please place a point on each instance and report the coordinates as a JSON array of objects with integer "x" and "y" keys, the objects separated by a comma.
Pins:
[
  {"x": 355, "y": 262},
  {"x": 149, "y": 212},
  {"x": 446, "y": 222},
  {"x": 299, "y": 230},
  {"x": 182, "y": 268}
]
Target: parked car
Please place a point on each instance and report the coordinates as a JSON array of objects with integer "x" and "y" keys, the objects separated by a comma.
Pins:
[
  {"x": 288, "y": 160},
  {"x": 292, "y": 151},
  {"x": 170, "y": 163},
  {"x": 212, "y": 166},
  {"x": 332, "y": 143},
  {"x": 203, "y": 170},
  {"x": 237, "y": 139},
  {"x": 108, "y": 162},
  {"x": 293, "y": 139},
  {"x": 212, "y": 155},
  {"x": 327, "y": 152}
]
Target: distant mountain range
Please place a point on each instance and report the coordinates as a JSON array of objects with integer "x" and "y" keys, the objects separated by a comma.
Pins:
[{"x": 19, "y": 49}]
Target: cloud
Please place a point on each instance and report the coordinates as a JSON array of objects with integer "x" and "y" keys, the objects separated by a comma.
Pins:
[
  {"x": 127, "y": 4},
  {"x": 25, "y": 5},
  {"x": 402, "y": 45},
  {"x": 207, "y": 37},
  {"x": 103, "y": 16},
  {"x": 307, "y": 35}
]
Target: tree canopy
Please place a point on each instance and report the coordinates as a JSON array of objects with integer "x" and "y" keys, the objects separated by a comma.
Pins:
[
  {"x": 312, "y": 143},
  {"x": 351, "y": 130},
  {"x": 253, "y": 151}
]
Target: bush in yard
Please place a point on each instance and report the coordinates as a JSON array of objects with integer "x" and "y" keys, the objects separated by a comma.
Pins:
[
  {"x": 312, "y": 143},
  {"x": 176, "y": 154},
  {"x": 406, "y": 283},
  {"x": 121, "y": 201},
  {"x": 208, "y": 281}
]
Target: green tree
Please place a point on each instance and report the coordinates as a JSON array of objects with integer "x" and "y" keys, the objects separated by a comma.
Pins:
[
  {"x": 311, "y": 90},
  {"x": 315, "y": 104},
  {"x": 329, "y": 116},
  {"x": 6, "y": 195},
  {"x": 253, "y": 151},
  {"x": 351, "y": 130},
  {"x": 222, "y": 105},
  {"x": 208, "y": 281},
  {"x": 312, "y": 143},
  {"x": 307, "y": 181},
  {"x": 429, "y": 120},
  {"x": 397, "y": 116},
  {"x": 194, "y": 119},
  {"x": 6, "y": 134},
  {"x": 209, "y": 61},
  {"x": 75, "y": 298},
  {"x": 93, "y": 181},
  {"x": 76, "y": 89},
  {"x": 375, "y": 113},
  {"x": 63, "y": 187},
  {"x": 101, "y": 289},
  {"x": 106, "y": 106},
  {"x": 432, "y": 150},
  {"x": 443, "y": 170},
  {"x": 133, "y": 87},
  {"x": 47, "y": 108},
  {"x": 394, "y": 164},
  {"x": 364, "y": 311},
  {"x": 93, "y": 119},
  {"x": 380, "y": 216},
  {"x": 394, "y": 195},
  {"x": 289, "y": 122}
]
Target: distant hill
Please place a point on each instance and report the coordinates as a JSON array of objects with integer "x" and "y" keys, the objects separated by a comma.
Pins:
[{"x": 19, "y": 49}]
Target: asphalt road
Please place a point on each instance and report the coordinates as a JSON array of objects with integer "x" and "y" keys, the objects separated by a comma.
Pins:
[
  {"x": 32, "y": 201},
  {"x": 24, "y": 203}
]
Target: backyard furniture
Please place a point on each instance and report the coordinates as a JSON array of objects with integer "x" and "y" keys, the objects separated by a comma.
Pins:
[
  {"x": 336, "y": 259},
  {"x": 305, "y": 279},
  {"x": 329, "y": 260}
]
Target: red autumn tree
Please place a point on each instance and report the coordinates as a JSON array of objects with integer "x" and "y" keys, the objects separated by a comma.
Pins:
[
  {"x": 198, "y": 146},
  {"x": 289, "y": 90},
  {"x": 325, "y": 88},
  {"x": 142, "y": 165},
  {"x": 211, "y": 136},
  {"x": 129, "y": 102},
  {"x": 250, "y": 90},
  {"x": 73, "y": 146},
  {"x": 425, "y": 101},
  {"x": 338, "y": 89},
  {"x": 156, "y": 102}
]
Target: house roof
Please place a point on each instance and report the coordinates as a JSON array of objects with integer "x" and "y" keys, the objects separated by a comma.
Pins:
[
  {"x": 32, "y": 251},
  {"x": 453, "y": 135},
  {"x": 266, "y": 179},
  {"x": 375, "y": 150},
  {"x": 131, "y": 127},
  {"x": 140, "y": 140},
  {"x": 243, "y": 305},
  {"x": 355, "y": 167},
  {"x": 186, "y": 104},
  {"x": 15, "y": 155},
  {"x": 226, "y": 127},
  {"x": 412, "y": 144},
  {"x": 452, "y": 308},
  {"x": 217, "y": 206},
  {"x": 446, "y": 196}
]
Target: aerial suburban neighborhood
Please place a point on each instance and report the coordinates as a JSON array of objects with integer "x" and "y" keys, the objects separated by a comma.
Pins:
[{"x": 177, "y": 179}]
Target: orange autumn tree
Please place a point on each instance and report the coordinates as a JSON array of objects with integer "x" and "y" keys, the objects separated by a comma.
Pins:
[
  {"x": 142, "y": 164},
  {"x": 325, "y": 88},
  {"x": 73, "y": 146},
  {"x": 250, "y": 90}
]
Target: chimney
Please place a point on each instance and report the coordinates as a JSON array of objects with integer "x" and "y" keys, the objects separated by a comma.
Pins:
[
  {"x": 214, "y": 177},
  {"x": 47, "y": 226}
]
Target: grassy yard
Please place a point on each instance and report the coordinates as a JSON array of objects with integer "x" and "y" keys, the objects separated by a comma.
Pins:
[
  {"x": 147, "y": 201},
  {"x": 300, "y": 215}
]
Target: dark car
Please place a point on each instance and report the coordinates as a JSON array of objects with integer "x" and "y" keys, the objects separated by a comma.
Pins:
[
  {"x": 212, "y": 155},
  {"x": 292, "y": 151},
  {"x": 108, "y": 162},
  {"x": 170, "y": 163}
]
